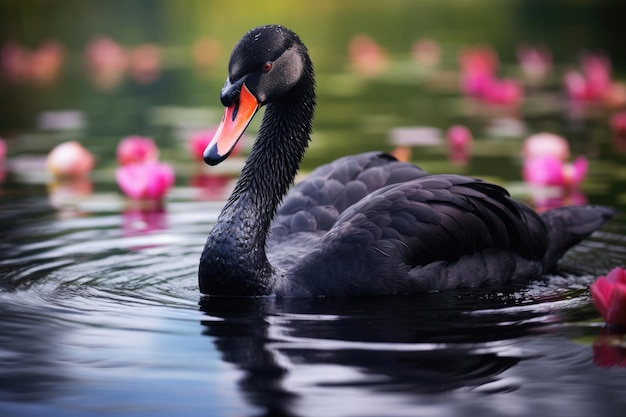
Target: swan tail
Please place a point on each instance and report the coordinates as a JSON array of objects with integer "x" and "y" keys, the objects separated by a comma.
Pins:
[{"x": 568, "y": 226}]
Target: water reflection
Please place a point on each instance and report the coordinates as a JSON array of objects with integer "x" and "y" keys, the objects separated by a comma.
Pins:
[
  {"x": 609, "y": 349},
  {"x": 296, "y": 352}
]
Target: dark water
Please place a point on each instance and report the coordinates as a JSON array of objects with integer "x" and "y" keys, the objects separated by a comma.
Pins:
[
  {"x": 101, "y": 316},
  {"x": 99, "y": 308}
]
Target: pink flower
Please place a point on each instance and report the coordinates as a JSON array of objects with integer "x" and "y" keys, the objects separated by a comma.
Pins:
[
  {"x": 546, "y": 144},
  {"x": 145, "y": 63},
  {"x": 476, "y": 84},
  {"x": 479, "y": 59},
  {"x": 535, "y": 62},
  {"x": 597, "y": 71},
  {"x": 505, "y": 91},
  {"x": 609, "y": 296},
  {"x": 368, "y": 58},
  {"x": 14, "y": 62},
  {"x": 69, "y": 159},
  {"x": 46, "y": 62},
  {"x": 149, "y": 180},
  {"x": 549, "y": 170},
  {"x": 594, "y": 83},
  {"x": 107, "y": 62},
  {"x": 133, "y": 149},
  {"x": 459, "y": 139}
]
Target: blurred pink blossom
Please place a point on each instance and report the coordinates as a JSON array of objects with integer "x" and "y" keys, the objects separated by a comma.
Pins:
[
  {"x": 459, "y": 140},
  {"x": 609, "y": 296},
  {"x": 41, "y": 66},
  {"x": 367, "y": 57},
  {"x": 535, "y": 61},
  {"x": 46, "y": 62},
  {"x": 148, "y": 180},
  {"x": 145, "y": 63},
  {"x": 133, "y": 149},
  {"x": 14, "y": 62},
  {"x": 107, "y": 62},
  {"x": 506, "y": 91},
  {"x": 478, "y": 77},
  {"x": 549, "y": 170},
  {"x": 69, "y": 159},
  {"x": 546, "y": 144},
  {"x": 593, "y": 82}
]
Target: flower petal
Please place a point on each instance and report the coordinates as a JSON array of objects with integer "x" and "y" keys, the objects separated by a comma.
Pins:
[
  {"x": 601, "y": 292},
  {"x": 617, "y": 306}
]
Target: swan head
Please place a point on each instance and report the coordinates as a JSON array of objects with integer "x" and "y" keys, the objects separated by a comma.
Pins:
[{"x": 265, "y": 65}]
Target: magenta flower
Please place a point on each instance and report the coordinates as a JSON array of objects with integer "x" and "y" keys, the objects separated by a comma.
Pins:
[
  {"x": 549, "y": 170},
  {"x": 478, "y": 70},
  {"x": 609, "y": 296},
  {"x": 546, "y": 144},
  {"x": 505, "y": 91},
  {"x": 148, "y": 180},
  {"x": 594, "y": 83},
  {"x": 135, "y": 149}
]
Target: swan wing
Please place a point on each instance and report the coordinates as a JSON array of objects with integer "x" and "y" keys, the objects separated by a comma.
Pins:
[
  {"x": 315, "y": 203},
  {"x": 437, "y": 219}
]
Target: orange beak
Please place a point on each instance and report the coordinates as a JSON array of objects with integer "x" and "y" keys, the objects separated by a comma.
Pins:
[{"x": 236, "y": 119}]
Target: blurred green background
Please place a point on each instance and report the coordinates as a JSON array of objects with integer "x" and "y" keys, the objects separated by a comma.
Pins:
[{"x": 354, "y": 113}]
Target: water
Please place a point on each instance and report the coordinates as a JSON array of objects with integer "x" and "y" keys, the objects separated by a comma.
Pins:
[
  {"x": 99, "y": 308},
  {"x": 101, "y": 316}
]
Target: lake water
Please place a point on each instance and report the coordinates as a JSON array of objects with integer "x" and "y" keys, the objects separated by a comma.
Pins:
[{"x": 99, "y": 306}]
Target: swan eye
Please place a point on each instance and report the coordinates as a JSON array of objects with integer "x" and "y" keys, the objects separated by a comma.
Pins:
[{"x": 267, "y": 66}]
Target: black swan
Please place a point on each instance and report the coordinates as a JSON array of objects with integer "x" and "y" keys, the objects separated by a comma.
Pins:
[{"x": 362, "y": 225}]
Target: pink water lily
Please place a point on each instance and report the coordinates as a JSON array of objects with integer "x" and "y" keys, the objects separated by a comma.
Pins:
[
  {"x": 69, "y": 159},
  {"x": 134, "y": 149},
  {"x": 549, "y": 170},
  {"x": 546, "y": 144},
  {"x": 459, "y": 140},
  {"x": 148, "y": 180},
  {"x": 609, "y": 296}
]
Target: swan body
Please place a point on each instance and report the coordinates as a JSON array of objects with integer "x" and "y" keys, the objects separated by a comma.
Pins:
[{"x": 365, "y": 224}]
